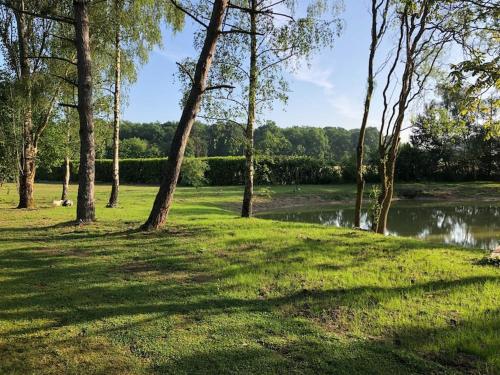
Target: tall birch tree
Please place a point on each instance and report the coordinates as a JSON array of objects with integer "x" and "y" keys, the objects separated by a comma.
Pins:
[
  {"x": 255, "y": 64},
  {"x": 214, "y": 28}
]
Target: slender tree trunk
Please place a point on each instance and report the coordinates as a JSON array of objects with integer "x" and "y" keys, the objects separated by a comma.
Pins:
[
  {"x": 360, "y": 181},
  {"x": 414, "y": 34},
  {"x": 113, "y": 199},
  {"x": 165, "y": 195},
  {"x": 386, "y": 196},
  {"x": 66, "y": 177},
  {"x": 390, "y": 155},
  {"x": 247, "y": 208},
  {"x": 28, "y": 155},
  {"x": 85, "y": 209}
]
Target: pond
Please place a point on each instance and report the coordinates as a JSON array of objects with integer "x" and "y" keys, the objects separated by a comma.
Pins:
[{"x": 459, "y": 223}]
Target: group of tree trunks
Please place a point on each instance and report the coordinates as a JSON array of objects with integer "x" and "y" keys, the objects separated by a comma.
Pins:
[{"x": 421, "y": 40}]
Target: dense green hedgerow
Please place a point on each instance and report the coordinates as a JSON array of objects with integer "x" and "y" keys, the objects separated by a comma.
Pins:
[{"x": 223, "y": 171}]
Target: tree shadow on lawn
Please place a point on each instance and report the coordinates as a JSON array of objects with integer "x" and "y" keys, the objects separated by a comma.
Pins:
[
  {"x": 303, "y": 349},
  {"x": 290, "y": 344},
  {"x": 91, "y": 233},
  {"x": 337, "y": 251},
  {"x": 66, "y": 305},
  {"x": 116, "y": 283}
]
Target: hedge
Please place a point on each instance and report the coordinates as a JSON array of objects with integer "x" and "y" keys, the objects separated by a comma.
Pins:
[{"x": 224, "y": 171}]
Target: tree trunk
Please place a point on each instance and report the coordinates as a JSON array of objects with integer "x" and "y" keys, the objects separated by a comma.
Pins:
[
  {"x": 165, "y": 195},
  {"x": 85, "y": 209},
  {"x": 66, "y": 177},
  {"x": 385, "y": 199},
  {"x": 28, "y": 155},
  {"x": 413, "y": 34},
  {"x": 390, "y": 155},
  {"x": 27, "y": 177},
  {"x": 113, "y": 199},
  {"x": 360, "y": 181},
  {"x": 247, "y": 207}
]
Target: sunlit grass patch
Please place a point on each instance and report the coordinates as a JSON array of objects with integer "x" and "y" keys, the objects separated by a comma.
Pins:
[{"x": 213, "y": 293}]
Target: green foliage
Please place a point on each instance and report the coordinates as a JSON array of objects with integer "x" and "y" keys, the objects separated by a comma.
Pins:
[
  {"x": 285, "y": 36},
  {"x": 225, "y": 139},
  {"x": 218, "y": 171},
  {"x": 138, "y": 24},
  {"x": 451, "y": 143},
  {"x": 9, "y": 136},
  {"x": 414, "y": 164},
  {"x": 138, "y": 148},
  {"x": 193, "y": 172},
  {"x": 228, "y": 139},
  {"x": 374, "y": 205},
  {"x": 476, "y": 26},
  {"x": 348, "y": 163}
]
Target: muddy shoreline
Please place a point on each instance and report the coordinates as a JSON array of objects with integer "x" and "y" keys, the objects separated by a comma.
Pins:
[{"x": 313, "y": 201}]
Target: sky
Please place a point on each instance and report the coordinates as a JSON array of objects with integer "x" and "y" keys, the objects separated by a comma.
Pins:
[{"x": 327, "y": 92}]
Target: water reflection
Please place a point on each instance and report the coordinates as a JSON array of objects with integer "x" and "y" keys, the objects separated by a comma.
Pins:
[{"x": 466, "y": 224}]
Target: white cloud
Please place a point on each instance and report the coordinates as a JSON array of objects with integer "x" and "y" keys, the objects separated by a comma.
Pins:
[
  {"x": 343, "y": 105},
  {"x": 170, "y": 55},
  {"x": 316, "y": 76}
]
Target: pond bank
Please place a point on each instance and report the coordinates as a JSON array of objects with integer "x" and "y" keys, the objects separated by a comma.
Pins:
[{"x": 315, "y": 196}]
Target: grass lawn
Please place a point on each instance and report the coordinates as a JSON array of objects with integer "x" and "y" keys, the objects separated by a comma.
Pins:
[{"x": 217, "y": 294}]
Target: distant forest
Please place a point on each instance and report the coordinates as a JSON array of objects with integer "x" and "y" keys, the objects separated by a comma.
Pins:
[
  {"x": 433, "y": 153},
  {"x": 145, "y": 140}
]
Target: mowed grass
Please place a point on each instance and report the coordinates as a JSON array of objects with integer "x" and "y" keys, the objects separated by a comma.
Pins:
[{"x": 216, "y": 294}]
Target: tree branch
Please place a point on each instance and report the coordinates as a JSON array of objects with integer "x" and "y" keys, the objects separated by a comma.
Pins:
[
  {"x": 218, "y": 87},
  {"x": 56, "y": 18},
  {"x": 65, "y": 79},
  {"x": 67, "y": 105},
  {"x": 69, "y": 40},
  {"x": 182, "y": 9},
  {"x": 220, "y": 119},
  {"x": 54, "y": 58},
  {"x": 186, "y": 71}
]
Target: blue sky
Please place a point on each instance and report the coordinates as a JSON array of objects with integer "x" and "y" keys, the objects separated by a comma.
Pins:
[{"x": 329, "y": 92}]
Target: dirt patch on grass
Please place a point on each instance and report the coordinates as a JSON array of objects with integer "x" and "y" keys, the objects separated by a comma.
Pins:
[
  {"x": 73, "y": 252},
  {"x": 200, "y": 278},
  {"x": 181, "y": 232},
  {"x": 143, "y": 269},
  {"x": 335, "y": 319},
  {"x": 267, "y": 204},
  {"x": 49, "y": 251},
  {"x": 137, "y": 267},
  {"x": 77, "y": 253},
  {"x": 264, "y": 204},
  {"x": 463, "y": 362}
]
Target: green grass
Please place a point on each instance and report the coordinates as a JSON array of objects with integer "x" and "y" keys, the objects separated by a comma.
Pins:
[{"x": 216, "y": 294}]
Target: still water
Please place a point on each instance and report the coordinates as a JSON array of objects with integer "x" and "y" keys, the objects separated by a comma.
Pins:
[{"x": 465, "y": 224}]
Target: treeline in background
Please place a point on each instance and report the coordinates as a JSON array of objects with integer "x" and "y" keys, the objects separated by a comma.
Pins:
[
  {"x": 294, "y": 155},
  {"x": 228, "y": 139},
  {"x": 445, "y": 145}
]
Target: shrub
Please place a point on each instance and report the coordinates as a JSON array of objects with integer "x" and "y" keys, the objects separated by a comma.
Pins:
[
  {"x": 193, "y": 172},
  {"x": 221, "y": 171}
]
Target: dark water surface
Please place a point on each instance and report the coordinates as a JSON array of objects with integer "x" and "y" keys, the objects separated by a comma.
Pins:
[{"x": 466, "y": 224}]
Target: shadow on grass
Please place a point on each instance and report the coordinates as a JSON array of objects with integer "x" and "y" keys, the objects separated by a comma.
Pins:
[
  {"x": 117, "y": 277},
  {"x": 314, "y": 353}
]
